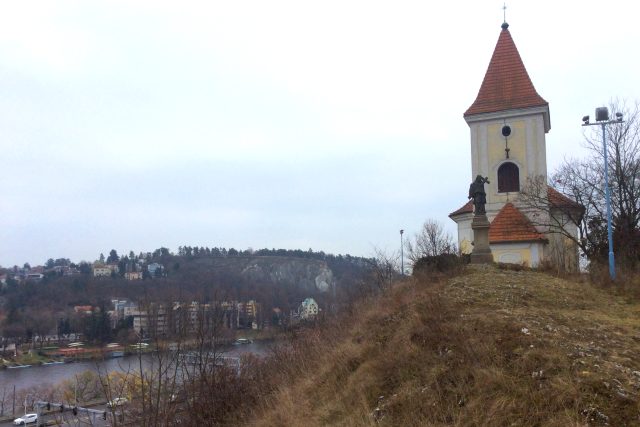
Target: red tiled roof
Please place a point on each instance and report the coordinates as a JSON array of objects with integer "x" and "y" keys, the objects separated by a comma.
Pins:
[
  {"x": 506, "y": 84},
  {"x": 559, "y": 200},
  {"x": 467, "y": 208},
  {"x": 511, "y": 225}
]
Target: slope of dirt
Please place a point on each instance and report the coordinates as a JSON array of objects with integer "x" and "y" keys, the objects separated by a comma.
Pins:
[{"x": 488, "y": 347}]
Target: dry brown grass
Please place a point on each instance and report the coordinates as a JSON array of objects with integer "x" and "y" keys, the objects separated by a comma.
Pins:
[
  {"x": 488, "y": 347},
  {"x": 627, "y": 281}
]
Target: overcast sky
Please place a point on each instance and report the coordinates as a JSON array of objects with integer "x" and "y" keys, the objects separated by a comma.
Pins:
[{"x": 327, "y": 125}]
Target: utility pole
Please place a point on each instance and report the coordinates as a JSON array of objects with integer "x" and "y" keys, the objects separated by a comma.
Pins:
[{"x": 401, "y": 252}]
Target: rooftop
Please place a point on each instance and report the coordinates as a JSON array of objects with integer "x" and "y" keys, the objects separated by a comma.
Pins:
[
  {"x": 506, "y": 84},
  {"x": 511, "y": 225},
  {"x": 559, "y": 200},
  {"x": 466, "y": 208}
]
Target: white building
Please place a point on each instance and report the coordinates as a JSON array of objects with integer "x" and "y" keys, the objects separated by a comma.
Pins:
[
  {"x": 308, "y": 309},
  {"x": 155, "y": 269},
  {"x": 152, "y": 322},
  {"x": 105, "y": 270}
]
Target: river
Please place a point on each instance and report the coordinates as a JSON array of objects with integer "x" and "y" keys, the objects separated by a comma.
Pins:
[{"x": 24, "y": 378}]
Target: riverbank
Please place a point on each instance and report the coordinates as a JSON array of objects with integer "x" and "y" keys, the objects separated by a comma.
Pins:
[
  {"x": 41, "y": 377},
  {"x": 58, "y": 355},
  {"x": 25, "y": 360}
]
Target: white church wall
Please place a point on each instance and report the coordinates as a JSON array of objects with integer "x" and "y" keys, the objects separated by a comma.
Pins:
[
  {"x": 465, "y": 233},
  {"x": 526, "y": 253}
]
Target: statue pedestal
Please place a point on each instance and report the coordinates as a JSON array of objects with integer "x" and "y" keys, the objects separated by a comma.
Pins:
[{"x": 481, "y": 253}]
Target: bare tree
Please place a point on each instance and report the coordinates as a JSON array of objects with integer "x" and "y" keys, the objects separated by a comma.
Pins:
[
  {"x": 561, "y": 217},
  {"x": 582, "y": 181},
  {"x": 623, "y": 145},
  {"x": 431, "y": 240},
  {"x": 4, "y": 398},
  {"x": 385, "y": 268},
  {"x": 84, "y": 387},
  {"x": 41, "y": 321},
  {"x": 186, "y": 371}
]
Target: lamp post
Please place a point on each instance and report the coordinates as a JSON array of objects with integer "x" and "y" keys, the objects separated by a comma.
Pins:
[
  {"x": 401, "y": 252},
  {"x": 26, "y": 399},
  {"x": 602, "y": 119},
  {"x": 75, "y": 391}
]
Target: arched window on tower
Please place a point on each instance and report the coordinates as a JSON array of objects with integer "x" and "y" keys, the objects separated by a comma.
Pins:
[{"x": 508, "y": 178}]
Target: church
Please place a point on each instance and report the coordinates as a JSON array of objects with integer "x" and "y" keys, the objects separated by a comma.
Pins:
[{"x": 508, "y": 124}]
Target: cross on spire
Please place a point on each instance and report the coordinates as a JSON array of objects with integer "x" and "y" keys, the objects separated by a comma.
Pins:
[{"x": 504, "y": 12}]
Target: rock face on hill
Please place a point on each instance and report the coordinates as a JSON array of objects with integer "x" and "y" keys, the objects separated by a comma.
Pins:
[
  {"x": 307, "y": 274},
  {"x": 310, "y": 275}
]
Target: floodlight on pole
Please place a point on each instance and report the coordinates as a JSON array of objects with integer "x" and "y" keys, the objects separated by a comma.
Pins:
[{"x": 602, "y": 119}]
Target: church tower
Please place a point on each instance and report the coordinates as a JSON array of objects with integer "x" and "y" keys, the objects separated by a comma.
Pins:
[{"x": 508, "y": 123}]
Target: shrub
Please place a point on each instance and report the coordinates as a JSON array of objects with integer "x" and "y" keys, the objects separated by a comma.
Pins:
[{"x": 443, "y": 263}]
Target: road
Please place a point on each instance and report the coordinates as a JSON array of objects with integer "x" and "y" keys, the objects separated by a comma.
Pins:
[{"x": 68, "y": 419}]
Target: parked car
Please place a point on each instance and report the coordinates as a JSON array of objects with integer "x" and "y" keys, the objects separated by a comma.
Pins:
[
  {"x": 26, "y": 419},
  {"x": 118, "y": 401}
]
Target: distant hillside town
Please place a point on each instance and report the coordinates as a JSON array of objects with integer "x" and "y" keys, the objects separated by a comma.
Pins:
[{"x": 160, "y": 293}]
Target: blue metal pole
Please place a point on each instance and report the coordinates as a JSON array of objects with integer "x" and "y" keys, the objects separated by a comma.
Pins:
[{"x": 612, "y": 265}]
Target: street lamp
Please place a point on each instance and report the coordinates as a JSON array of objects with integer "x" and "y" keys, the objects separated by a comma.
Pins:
[
  {"x": 401, "y": 253},
  {"x": 602, "y": 119}
]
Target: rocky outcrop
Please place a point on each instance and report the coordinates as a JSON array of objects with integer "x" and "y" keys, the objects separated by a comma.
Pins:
[{"x": 310, "y": 275}]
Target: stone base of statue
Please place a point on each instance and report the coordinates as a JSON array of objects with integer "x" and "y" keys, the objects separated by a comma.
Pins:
[{"x": 481, "y": 253}]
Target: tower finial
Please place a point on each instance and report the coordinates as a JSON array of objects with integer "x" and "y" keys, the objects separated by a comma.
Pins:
[{"x": 504, "y": 16}]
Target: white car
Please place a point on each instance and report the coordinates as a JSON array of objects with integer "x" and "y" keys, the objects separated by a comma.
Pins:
[{"x": 26, "y": 419}]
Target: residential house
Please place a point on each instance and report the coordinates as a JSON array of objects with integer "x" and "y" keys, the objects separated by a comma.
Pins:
[
  {"x": 83, "y": 309},
  {"x": 308, "y": 310},
  {"x": 105, "y": 270},
  {"x": 119, "y": 310},
  {"x": 63, "y": 270},
  {"x": 133, "y": 275},
  {"x": 248, "y": 314},
  {"x": 36, "y": 277},
  {"x": 155, "y": 269},
  {"x": 151, "y": 322}
]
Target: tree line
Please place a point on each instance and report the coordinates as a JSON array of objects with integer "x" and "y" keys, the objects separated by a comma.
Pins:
[{"x": 46, "y": 307}]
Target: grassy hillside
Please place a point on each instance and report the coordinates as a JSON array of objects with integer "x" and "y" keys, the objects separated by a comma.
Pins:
[{"x": 488, "y": 347}]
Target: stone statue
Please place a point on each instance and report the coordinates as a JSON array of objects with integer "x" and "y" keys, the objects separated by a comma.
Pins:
[{"x": 476, "y": 192}]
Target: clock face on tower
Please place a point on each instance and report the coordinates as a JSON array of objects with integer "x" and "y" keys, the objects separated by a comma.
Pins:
[{"x": 506, "y": 131}]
